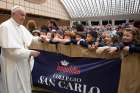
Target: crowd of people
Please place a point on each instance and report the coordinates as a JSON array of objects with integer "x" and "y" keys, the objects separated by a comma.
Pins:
[
  {"x": 112, "y": 38},
  {"x": 15, "y": 40}
]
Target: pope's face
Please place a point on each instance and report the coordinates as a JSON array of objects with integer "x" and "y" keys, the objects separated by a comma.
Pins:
[{"x": 19, "y": 16}]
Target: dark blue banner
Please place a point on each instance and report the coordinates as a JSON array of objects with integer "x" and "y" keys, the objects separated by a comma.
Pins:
[{"x": 63, "y": 74}]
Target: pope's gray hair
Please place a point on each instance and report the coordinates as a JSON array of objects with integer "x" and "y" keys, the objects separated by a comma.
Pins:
[{"x": 15, "y": 8}]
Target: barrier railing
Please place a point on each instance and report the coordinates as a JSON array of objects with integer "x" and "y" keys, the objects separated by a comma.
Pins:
[{"x": 130, "y": 68}]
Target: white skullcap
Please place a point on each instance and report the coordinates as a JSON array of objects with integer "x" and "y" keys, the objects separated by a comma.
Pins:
[{"x": 15, "y": 8}]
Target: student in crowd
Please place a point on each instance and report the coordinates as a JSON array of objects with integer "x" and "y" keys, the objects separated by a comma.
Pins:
[
  {"x": 31, "y": 25},
  {"x": 36, "y": 33},
  {"x": 90, "y": 40},
  {"x": 43, "y": 30},
  {"x": 131, "y": 40},
  {"x": 52, "y": 26},
  {"x": 79, "y": 37},
  {"x": 109, "y": 43},
  {"x": 108, "y": 40},
  {"x": 119, "y": 32}
]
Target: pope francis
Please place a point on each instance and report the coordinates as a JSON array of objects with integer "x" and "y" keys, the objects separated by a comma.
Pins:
[{"x": 15, "y": 55}]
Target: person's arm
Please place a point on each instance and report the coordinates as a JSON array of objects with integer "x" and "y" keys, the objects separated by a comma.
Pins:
[
  {"x": 73, "y": 41},
  {"x": 21, "y": 53},
  {"x": 134, "y": 49},
  {"x": 52, "y": 42},
  {"x": 83, "y": 44},
  {"x": 115, "y": 48},
  {"x": 64, "y": 41}
]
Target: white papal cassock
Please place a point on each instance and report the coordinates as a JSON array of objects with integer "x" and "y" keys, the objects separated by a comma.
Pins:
[{"x": 14, "y": 40}]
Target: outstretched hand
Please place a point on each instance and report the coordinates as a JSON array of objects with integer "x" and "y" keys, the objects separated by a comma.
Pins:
[{"x": 34, "y": 53}]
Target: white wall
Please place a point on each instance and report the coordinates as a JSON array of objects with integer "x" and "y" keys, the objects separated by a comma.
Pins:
[{"x": 50, "y": 8}]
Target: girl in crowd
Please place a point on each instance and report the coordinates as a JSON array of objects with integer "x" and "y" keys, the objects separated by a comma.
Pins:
[
  {"x": 108, "y": 40},
  {"x": 79, "y": 37},
  {"x": 131, "y": 40},
  {"x": 108, "y": 44},
  {"x": 90, "y": 40}
]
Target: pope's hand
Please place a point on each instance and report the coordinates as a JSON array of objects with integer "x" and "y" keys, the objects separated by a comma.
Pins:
[{"x": 34, "y": 53}]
